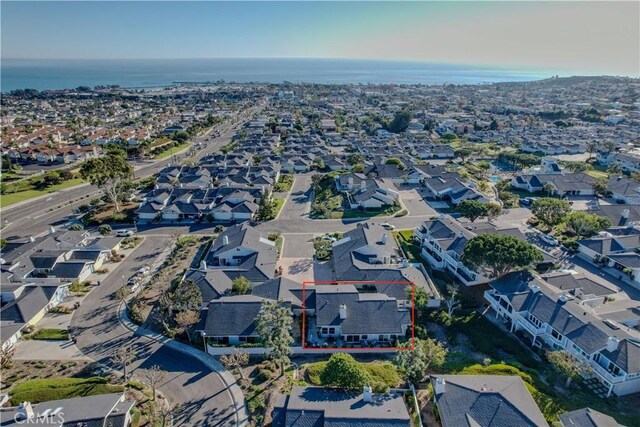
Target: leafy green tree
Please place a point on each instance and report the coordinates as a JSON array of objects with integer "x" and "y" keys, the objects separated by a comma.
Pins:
[
  {"x": 583, "y": 224},
  {"x": 104, "y": 229},
  {"x": 186, "y": 296},
  {"x": 266, "y": 208},
  {"x": 240, "y": 285},
  {"x": 494, "y": 210},
  {"x": 472, "y": 209},
  {"x": 498, "y": 254},
  {"x": 343, "y": 371},
  {"x": 550, "y": 211},
  {"x": 578, "y": 167},
  {"x": 355, "y": 158},
  {"x": 358, "y": 168},
  {"x": 273, "y": 326},
  {"x": 548, "y": 189},
  {"x": 415, "y": 363},
  {"x": 601, "y": 188},
  {"x": 464, "y": 152},
  {"x": 568, "y": 365},
  {"x": 395, "y": 161},
  {"x": 400, "y": 122},
  {"x": 108, "y": 173},
  {"x": 614, "y": 169}
]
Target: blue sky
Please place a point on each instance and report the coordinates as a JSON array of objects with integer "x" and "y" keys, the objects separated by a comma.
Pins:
[{"x": 593, "y": 37}]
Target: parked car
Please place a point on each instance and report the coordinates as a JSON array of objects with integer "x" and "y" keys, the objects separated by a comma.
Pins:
[
  {"x": 388, "y": 226},
  {"x": 549, "y": 240},
  {"x": 124, "y": 233}
]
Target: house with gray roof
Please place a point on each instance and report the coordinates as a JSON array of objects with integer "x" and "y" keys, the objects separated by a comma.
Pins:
[
  {"x": 566, "y": 318},
  {"x": 369, "y": 253},
  {"x": 241, "y": 250},
  {"x": 485, "y": 401},
  {"x": 24, "y": 305},
  {"x": 104, "y": 410},
  {"x": 563, "y": 184},
  {"x": 324, "y": 407},
  {"x": 343, "y": 312},
  {"x": 587, "y": 417},
  {"x": 442, "y": 241},
  {"x": 364, "y": 192}
]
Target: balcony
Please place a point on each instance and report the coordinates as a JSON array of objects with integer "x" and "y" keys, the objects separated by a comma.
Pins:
[
  {"x": 606, "y": 375},
  {"x": 530, "y": 327}
]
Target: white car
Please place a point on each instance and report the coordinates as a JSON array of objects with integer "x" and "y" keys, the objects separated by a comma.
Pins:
[
  {"x": 124, "y": 233},
  {"x": 388, "y": 226},
  {"x": 549, "y": 240}
]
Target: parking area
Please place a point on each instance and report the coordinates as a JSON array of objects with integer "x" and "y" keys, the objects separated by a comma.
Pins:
[{"x": 298, "y": 203}]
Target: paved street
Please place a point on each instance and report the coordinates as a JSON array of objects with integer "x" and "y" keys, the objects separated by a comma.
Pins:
[
  {"x": 298, "y": 204},
  {"x": 202, "y": 395},
  {"x": 415, "y": 203}
]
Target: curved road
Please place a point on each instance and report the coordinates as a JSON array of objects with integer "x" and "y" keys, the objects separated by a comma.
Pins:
[{"x": 202, "y": 397}]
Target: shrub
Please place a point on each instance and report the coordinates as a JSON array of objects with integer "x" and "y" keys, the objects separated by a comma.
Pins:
[{"x": 104, "y": 229}]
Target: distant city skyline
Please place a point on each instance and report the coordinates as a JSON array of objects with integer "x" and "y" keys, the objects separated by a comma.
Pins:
[{"x": 569, "y": 37}]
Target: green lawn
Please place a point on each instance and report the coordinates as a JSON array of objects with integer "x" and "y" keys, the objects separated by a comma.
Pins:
[
  {"x": 167, "y": 153},
  {"x": 42, "y": 390},
  {"x": 383, "y": 374},
  {"x": 597, "y": 174},
  {"x": 279, "y": 203},
  {"x": 357, "y": 213},
  {"x": 285, "y": 182},
  {"x": 51, "y": 334},
  {"x": 21, "y": 196}
]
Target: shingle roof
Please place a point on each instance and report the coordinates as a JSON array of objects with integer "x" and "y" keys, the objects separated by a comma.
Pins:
[
  {"x": 320, "y": 407},
  {"x": 486, "y": 401},
  {"x": 587, "y": 417}
]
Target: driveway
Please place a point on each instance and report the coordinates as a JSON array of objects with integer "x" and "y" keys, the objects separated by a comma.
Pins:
[
  {"x": 297, "y": 257},
  {"x": 415, "y": 203},
  {"x": 298, "y": 204},
  {"x": 201, "y": 394}
]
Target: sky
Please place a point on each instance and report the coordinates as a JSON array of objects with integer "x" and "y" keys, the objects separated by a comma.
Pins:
[{"x": 582, "y": 37}]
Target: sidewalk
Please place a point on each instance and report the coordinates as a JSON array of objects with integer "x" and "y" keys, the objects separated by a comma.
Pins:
[{"x": 209, "y": 361}]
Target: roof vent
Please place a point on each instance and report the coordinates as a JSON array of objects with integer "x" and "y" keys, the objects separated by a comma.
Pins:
[{"x": 440, "y": 385}]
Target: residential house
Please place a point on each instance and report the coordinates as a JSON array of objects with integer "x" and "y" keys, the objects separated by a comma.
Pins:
[
  {"x": 110, "y": 410},
  {"x": 485, "y": 401},
  {"x": 572, "y": 320},
  {"x": 241, "y": 250},
  {"x": 323, "y": 407}
]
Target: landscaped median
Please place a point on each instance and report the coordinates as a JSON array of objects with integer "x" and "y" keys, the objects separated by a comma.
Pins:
[
  {"x": 50, "y": 334},
  {"x": 8, "y": 199}
]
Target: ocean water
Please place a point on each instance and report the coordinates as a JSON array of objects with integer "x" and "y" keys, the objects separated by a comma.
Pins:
[{"x": 61, "y": 74}]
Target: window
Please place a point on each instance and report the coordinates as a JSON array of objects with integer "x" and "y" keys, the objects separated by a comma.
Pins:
[
  {"x": 555, "y": 334},
  {"x": 323, "y": 330},
  {"x": 533, "y": 319},
  {"x": 332, "y": 330}
]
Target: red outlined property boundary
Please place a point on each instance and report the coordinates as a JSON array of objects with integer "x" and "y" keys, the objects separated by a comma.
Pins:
[{"x": 374, "y": 282}]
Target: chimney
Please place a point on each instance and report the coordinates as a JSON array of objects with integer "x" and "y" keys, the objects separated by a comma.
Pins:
[
  {"x": 625, "y": 214},
  {"x": 343, "y": 311},
  {"x": 612, "y": 344},
  {"x": 384, "y": 239},
  {"x": 366, "y": 393},
  {"x": 52, "y": 230},
  {"x": 203, "y": 265},
  {"x": 25, "y": 411},
  {"x": 225, "y": 240},
  {"x": 350, "y": 181},
  {"x": 32, "y": 239},
  {"x": 363, "y": 185},
  {"x": 534, "y": 288},
  {"x": 440, "y": 383}
]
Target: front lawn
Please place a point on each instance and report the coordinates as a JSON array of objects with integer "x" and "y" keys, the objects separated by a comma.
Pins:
[
  {"x": 42, "y": 390},
  {"x": 51, "y": 334},
  {"x": 384, "y": 375}
]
